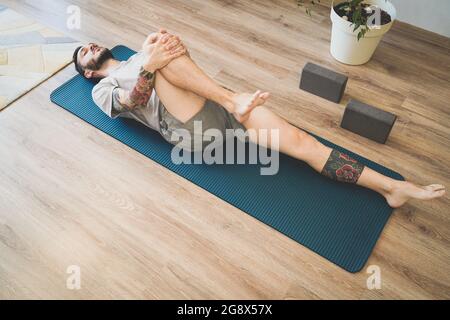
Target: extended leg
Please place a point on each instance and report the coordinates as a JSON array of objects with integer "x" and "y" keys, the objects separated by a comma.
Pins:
[{"x": 323, "y": 159}]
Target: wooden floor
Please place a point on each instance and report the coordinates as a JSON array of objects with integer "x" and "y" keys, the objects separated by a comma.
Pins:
[{"x": 72, "y": 195}]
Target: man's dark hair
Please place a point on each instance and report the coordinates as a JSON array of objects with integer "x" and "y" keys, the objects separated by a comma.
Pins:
[{"x": 78, "y": 66}]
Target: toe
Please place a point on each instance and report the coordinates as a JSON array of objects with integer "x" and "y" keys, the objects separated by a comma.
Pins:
[
  {"x": 264, "y": 95},
  {"x": 439, "y": 193},
  {"x": 436, "y": 187},
  {"x": 255, "y": 96},
  {"x": 432, "y": 193}
]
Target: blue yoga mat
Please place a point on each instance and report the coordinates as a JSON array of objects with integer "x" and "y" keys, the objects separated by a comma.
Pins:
[{"x": 340, "y": 222}]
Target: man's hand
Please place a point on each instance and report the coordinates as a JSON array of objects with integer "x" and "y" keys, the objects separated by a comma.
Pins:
[
  {"x": 166, "y": 48},
  {"x": 148, "y": 44}
]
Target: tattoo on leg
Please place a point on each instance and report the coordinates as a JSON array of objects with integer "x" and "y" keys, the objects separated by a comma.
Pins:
[{"x": 342, "y": 168}]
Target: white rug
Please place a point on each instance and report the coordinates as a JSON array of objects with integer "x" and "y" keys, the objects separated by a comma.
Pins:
[{"x": 29, "y": 54}]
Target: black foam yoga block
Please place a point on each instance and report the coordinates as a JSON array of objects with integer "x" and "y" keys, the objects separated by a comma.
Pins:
[
  {"x": 368, "y": 121},
  {"x": 323, "y": 82}
]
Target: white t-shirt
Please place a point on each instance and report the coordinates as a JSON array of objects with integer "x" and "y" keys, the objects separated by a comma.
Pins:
[{"x": 125, "y": 76}]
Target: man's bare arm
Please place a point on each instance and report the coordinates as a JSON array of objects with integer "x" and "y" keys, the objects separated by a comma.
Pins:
[
  {"x": 141, "y": 93},
  {"x": 160, "y": 51}
]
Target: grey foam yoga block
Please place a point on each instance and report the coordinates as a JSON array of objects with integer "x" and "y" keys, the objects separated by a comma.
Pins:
[
  {"x": 368, "y": 121},
  {"x": 323, "y": 82}
]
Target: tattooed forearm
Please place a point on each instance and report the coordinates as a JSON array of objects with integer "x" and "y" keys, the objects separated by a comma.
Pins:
[
  {"x": 142, "y": 91},
  {"x": 342, "y": 168}
]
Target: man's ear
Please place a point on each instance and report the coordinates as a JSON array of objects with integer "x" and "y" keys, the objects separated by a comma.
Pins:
[{"x": 88, "y": 74}]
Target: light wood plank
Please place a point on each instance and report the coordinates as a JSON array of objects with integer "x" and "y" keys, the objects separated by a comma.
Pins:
[{"x": 71, "y": 194}]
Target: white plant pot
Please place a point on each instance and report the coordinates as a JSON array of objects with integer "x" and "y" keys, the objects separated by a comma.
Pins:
[{"x": 345, "y": 46}]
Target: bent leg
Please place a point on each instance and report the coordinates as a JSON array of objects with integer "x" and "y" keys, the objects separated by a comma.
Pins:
[
  {"x": 182, "y": 104},
  {"x": 299, "y": 144},
  {"x": 185, "y": 74}
]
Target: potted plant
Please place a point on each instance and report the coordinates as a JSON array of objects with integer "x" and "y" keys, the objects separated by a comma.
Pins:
[{"x": 357, "y": 27}]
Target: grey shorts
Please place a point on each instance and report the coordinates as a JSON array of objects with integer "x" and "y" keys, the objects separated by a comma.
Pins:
[{"x": 211, "y": 116}]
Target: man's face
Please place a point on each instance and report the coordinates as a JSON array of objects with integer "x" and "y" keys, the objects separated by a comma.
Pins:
[{"x": 92, "y": 56}]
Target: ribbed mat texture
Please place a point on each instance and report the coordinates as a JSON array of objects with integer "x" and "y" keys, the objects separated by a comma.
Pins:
[{"x": 340, "y": 222}]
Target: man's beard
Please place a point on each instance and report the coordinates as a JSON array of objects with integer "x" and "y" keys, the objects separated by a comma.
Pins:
[{"x": 105, "y": 55}]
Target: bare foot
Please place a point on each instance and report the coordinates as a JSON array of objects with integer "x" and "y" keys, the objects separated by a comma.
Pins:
[
  {"x": 403, "y": 191},
  {"x": 244, "y": 103}
]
